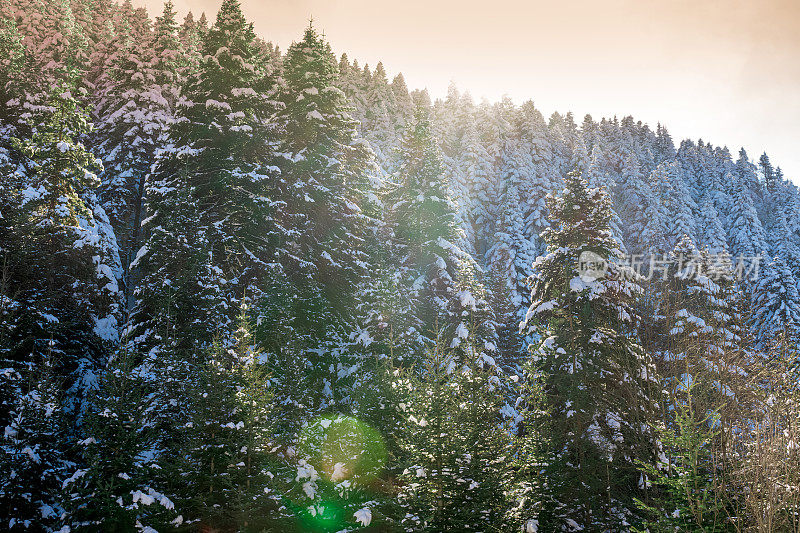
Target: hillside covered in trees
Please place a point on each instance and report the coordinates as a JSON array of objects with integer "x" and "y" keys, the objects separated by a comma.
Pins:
[{"x": 252, "y": 289}]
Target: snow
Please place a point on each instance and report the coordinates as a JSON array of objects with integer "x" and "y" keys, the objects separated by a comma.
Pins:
[
  {"x": 363, "y": 516},
  {"x": 577, "y": 284},
  {"x": 340, "y": 472},
  {"x": 145, "y": 499},
  {"x": 78, "y": 474},
  {"x": 139, "y": 255}
]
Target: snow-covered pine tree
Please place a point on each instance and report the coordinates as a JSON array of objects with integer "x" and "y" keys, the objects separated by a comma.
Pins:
[
  {"x": 643, "y": 216},
  {"x": 595, "y": 375},
  {"x": 599, "y": 177},
  {"x": 776, "y": 317},
  {"x": 327, "y": 200},
  {"x": 14, "y": 62},
  {"x": 210, "y": 211},
  {"x": 747, "y": 174},
  {"x": 379, "y": 126},
  {"x": 687, "y": 484},
  {"x": 226, "y": 140},
  {"x": 116, "y": 485},
  {"x": 678, "y": 205},
  {"x": 512, "y": 253},
  {"x": 219, "y": 474},
  {"x": 60, "y": 255},
  {"x": 405, "y": 106},
  {"x": 664, "y": 146},
  {"x": 471, "y": 186},
  {"x": 746, "y": 237},
  {"x": 35, "y": 465},
  {"x": 782, "y": 241},
  {"x": 767, "y": 172},
  {"x": 456, "y": 447},
  {"x": 191, "y": 34},
  {"x": 136, "y": 96},
  {"x": 701, "y": 336},
  {"x": 710, "y": 230},
  {"x": 432, "y": 266}
]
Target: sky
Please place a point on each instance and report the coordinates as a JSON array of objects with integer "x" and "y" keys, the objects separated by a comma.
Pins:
[{"x": 726, "y": 71}]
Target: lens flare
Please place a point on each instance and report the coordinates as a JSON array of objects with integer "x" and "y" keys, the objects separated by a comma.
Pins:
[{"x": 343, "y": 448}]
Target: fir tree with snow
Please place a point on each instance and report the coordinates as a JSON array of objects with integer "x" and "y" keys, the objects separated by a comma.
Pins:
[
  {"x": 594, "y": 373},
  {"x": 777, "y": 305},
  {"x": 60, "y": 258}
]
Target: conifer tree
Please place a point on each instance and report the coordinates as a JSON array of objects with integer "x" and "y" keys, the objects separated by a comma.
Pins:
[
  {"x": 643, "y": 216},
  {"x": 700, "y": 364},
  {"x": 35, "y": 461},
  {"x": 777, "y": 305},
  {"x": 457, "y": 454},
  {"x": 135, "y": 111},
  {"x": 210, "y": 209},
  {"x": 687, "y": 481},
  {"x": 327, "y": 199},
  {"x": 423, "y": 220},
  {"x": 60, "y": 259},
  {"x": 594, "y": 373},
  {"x": 745, "y": 231},
  {"x": 14, "y": 63},
  {"x": 223, "y": 475},
  {"x": 767, "y": 171},
  {"x": 678, "y": 202},
  {"x": 711, "y": 232},
  {"x": 117, "y": 486}
]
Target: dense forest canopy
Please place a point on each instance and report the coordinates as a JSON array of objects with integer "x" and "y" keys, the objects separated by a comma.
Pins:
[{"x": 248, "y": 289}]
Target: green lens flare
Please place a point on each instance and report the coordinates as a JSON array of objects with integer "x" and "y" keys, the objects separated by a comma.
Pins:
[
  {"x": 343, "y": 448},
  {"x": 324, "y": 516}
]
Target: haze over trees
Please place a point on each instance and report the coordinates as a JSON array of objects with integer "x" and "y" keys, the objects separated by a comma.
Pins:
[{"x": 248, "y": 289}]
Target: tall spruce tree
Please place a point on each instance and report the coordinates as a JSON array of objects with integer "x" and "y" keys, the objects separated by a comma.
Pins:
[
  {"x": 60, "y": 255},
  {"x": 327, "y": 199},
  {"x": 210, "y": 208},
  {"x": 777, "y": 305},
  {"x": 595, "y": 375},
  {"x": 137, "y": 93},
  {"x": 432, "y": 266}
]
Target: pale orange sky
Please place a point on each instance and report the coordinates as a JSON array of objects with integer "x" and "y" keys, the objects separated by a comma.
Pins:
[{"x": 727, "y": 71}]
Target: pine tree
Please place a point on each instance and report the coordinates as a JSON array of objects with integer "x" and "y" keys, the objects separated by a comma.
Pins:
[
  {"x": 510, "y": 260},
  {"x": 134, "y": 112},
  {"x": 222, "y": 451},
  {"x": 746, "y": 173},
  {"x": 14, "y": 63},
  {"x": 767, "y": 171},
  {"x": 327, "y": 199},
  {"x": 699, "y": 345},
  {"x": 643, "y": 217},
  {"x": 424, "y": 226},
  {"x": 777, "y": 305},
  {"x": 116, "y": 487},
  {"x": 35, "y": 464},
  {"x": 687, "y": 479},
  {"x": 711, "y": 232},
  {"x": 456, "y": 446},
  {"x": 678, "y": 202},
  {"x": 60, "y": 254},
  {"x": 594, "y": 373},
  {"x": 745, "y": 231},
  {"x": 210, "y": 220}
]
